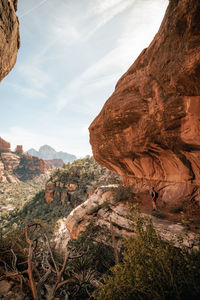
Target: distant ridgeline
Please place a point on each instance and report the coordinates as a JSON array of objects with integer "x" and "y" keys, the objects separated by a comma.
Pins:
[{"x": 48, "y": 153}]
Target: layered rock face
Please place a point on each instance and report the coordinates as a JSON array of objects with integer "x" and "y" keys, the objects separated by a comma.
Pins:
[
  {"x": 149, "y": 129},
  {"x": 18, "y": 166},
  {"x": 15, "y": 167},
  {"x": 19, "y": 149},
  {"x": 9, "y": 36},
  {"x": 4, "y": 146},
  {"x": 103, "y": 210},
  {"x": 30, "y": 167},
  {"x": 59, "y": 191}
]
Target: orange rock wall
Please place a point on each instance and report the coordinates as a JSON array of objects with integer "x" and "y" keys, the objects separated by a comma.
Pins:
[
  {"x": 19, "y": 149},
  {"x": 9, "y": 36},
  {"x": 4, "y": 146},
  {"x": 149, "y": 129}
]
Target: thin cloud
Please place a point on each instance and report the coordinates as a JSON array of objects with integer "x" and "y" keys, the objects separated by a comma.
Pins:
[
  {"x": 32, "y": 9},
  {"x": 108, "y": 10},
  {"x": 110, "y": 67},
  {"x": 25, "y": 91}
]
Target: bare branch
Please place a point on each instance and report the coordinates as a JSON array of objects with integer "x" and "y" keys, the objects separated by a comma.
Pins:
[{"x": 51, "y": 254}]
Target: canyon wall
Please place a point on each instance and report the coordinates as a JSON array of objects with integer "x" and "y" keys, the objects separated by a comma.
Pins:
[
  {"x": 9, "y": 36},
  {"x": 15, "y": 166},
  {"x": 149, "y": 129},
  {"x": 4, "y": 146}
]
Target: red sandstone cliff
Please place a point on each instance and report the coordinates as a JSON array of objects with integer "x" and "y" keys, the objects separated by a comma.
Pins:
[
  {"x": 9, "y": 36},
  {"x": 149, "y": 129},
  {"x": 4, "y": 146},
  {"x": 18, "y": 166}
]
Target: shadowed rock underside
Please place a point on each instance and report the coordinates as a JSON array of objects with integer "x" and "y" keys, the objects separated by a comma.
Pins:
[{"x": 149, "y": 129}]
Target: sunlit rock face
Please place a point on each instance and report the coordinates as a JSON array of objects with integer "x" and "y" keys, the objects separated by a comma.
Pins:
[
  {"x": 149, "y": 129},
  {"x": 9, "y": 36},
  {"x": 4, "y": 146}
]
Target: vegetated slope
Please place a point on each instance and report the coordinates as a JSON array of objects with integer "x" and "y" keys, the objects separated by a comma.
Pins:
[
  {"x": 149, "y": 129},
  {"x": 14, "y": 196},
  {"x": 84, "y": 174},
  {"x": 48, "y": 153},
  {"x": 148, "y": 268}
]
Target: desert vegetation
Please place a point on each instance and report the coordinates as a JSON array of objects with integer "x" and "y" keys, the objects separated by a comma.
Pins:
[
  {"x": 27, "y": 199},
  {"x": 147, "y": 268}
]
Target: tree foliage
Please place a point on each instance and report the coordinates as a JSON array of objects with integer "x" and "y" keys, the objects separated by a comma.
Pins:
[{"x": 152, "y": 268}]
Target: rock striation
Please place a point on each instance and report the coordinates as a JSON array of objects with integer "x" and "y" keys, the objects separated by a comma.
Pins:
[
  {"x": 9, "y": 36},
  {"x": 15, "y": 166},
  {"x": 102, "y": 209},
  {"x": 30, "y": 167},
  {"x": 19, "y": 149},
  {"x": 149, "y": 129},
  {"x": 4, "y": 146}
]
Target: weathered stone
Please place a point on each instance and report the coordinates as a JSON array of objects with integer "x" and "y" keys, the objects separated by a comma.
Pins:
[
  {"x": 9, "y": 36},
  {"x": 50, "y": 186},
  {"x": 19, "y": 149},
  {"x": 49, "y": 195},
  {"x": 71, "y": 186},
  {"x": 4, "y": 146},
  {"x": 10, "y": 161},
  {"x": 149, "y": 129},
  {"x": 30, "y": 167},
  {"x": 64, "y": 197},
  {"x": 94, "y": 208}
]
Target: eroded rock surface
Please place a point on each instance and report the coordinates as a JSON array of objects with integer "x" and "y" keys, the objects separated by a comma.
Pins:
[
  {"x": 9, "y": 36},
  {"x": 149, "y": 129},
  {"x": 102, "y": 209},
  {"x": 4, "y": 146}
]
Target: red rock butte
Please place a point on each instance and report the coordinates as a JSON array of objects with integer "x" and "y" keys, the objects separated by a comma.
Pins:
[
  {"x": 149, "y": 129},
  {"x": 19, "y": 149},
  {"x": 4, "y": 146}
]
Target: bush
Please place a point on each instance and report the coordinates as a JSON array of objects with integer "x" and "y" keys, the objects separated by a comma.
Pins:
[
  {"x": 152, "y": 268},
  {"x": 122, "y": 193}
]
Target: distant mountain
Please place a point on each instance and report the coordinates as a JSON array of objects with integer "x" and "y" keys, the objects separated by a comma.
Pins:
[{"x": 46, "y": 152}]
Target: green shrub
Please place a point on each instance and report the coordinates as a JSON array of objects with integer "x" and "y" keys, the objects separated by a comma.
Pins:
[
  {"x": 152, "y": 268},
  {"x": 122, "y": 193}
]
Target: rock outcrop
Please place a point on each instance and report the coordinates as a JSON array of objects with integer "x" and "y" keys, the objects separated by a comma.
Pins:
[
  {"x": 149, "y": 129},
  {"x": 19, "y": 149},
  {"x": 30, "y": 167},
  {"x": 9, "y": 36},
  {"x": 18, "y": 166},
  {"x": 4, "y": 146},
  {"x": 15, "y": 167},
  {"x": 102, "y": 209}
]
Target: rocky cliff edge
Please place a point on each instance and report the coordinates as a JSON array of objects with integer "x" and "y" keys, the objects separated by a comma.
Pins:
[
  {"x": 9, "y": 36},
  {"x": 149, "y": 129}
]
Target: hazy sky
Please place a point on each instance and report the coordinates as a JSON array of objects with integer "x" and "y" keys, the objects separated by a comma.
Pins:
[{"x": 72, "y": 54}]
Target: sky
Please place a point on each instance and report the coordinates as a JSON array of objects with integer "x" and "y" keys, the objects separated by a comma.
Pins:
[{"x": 72, "y": 54}]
